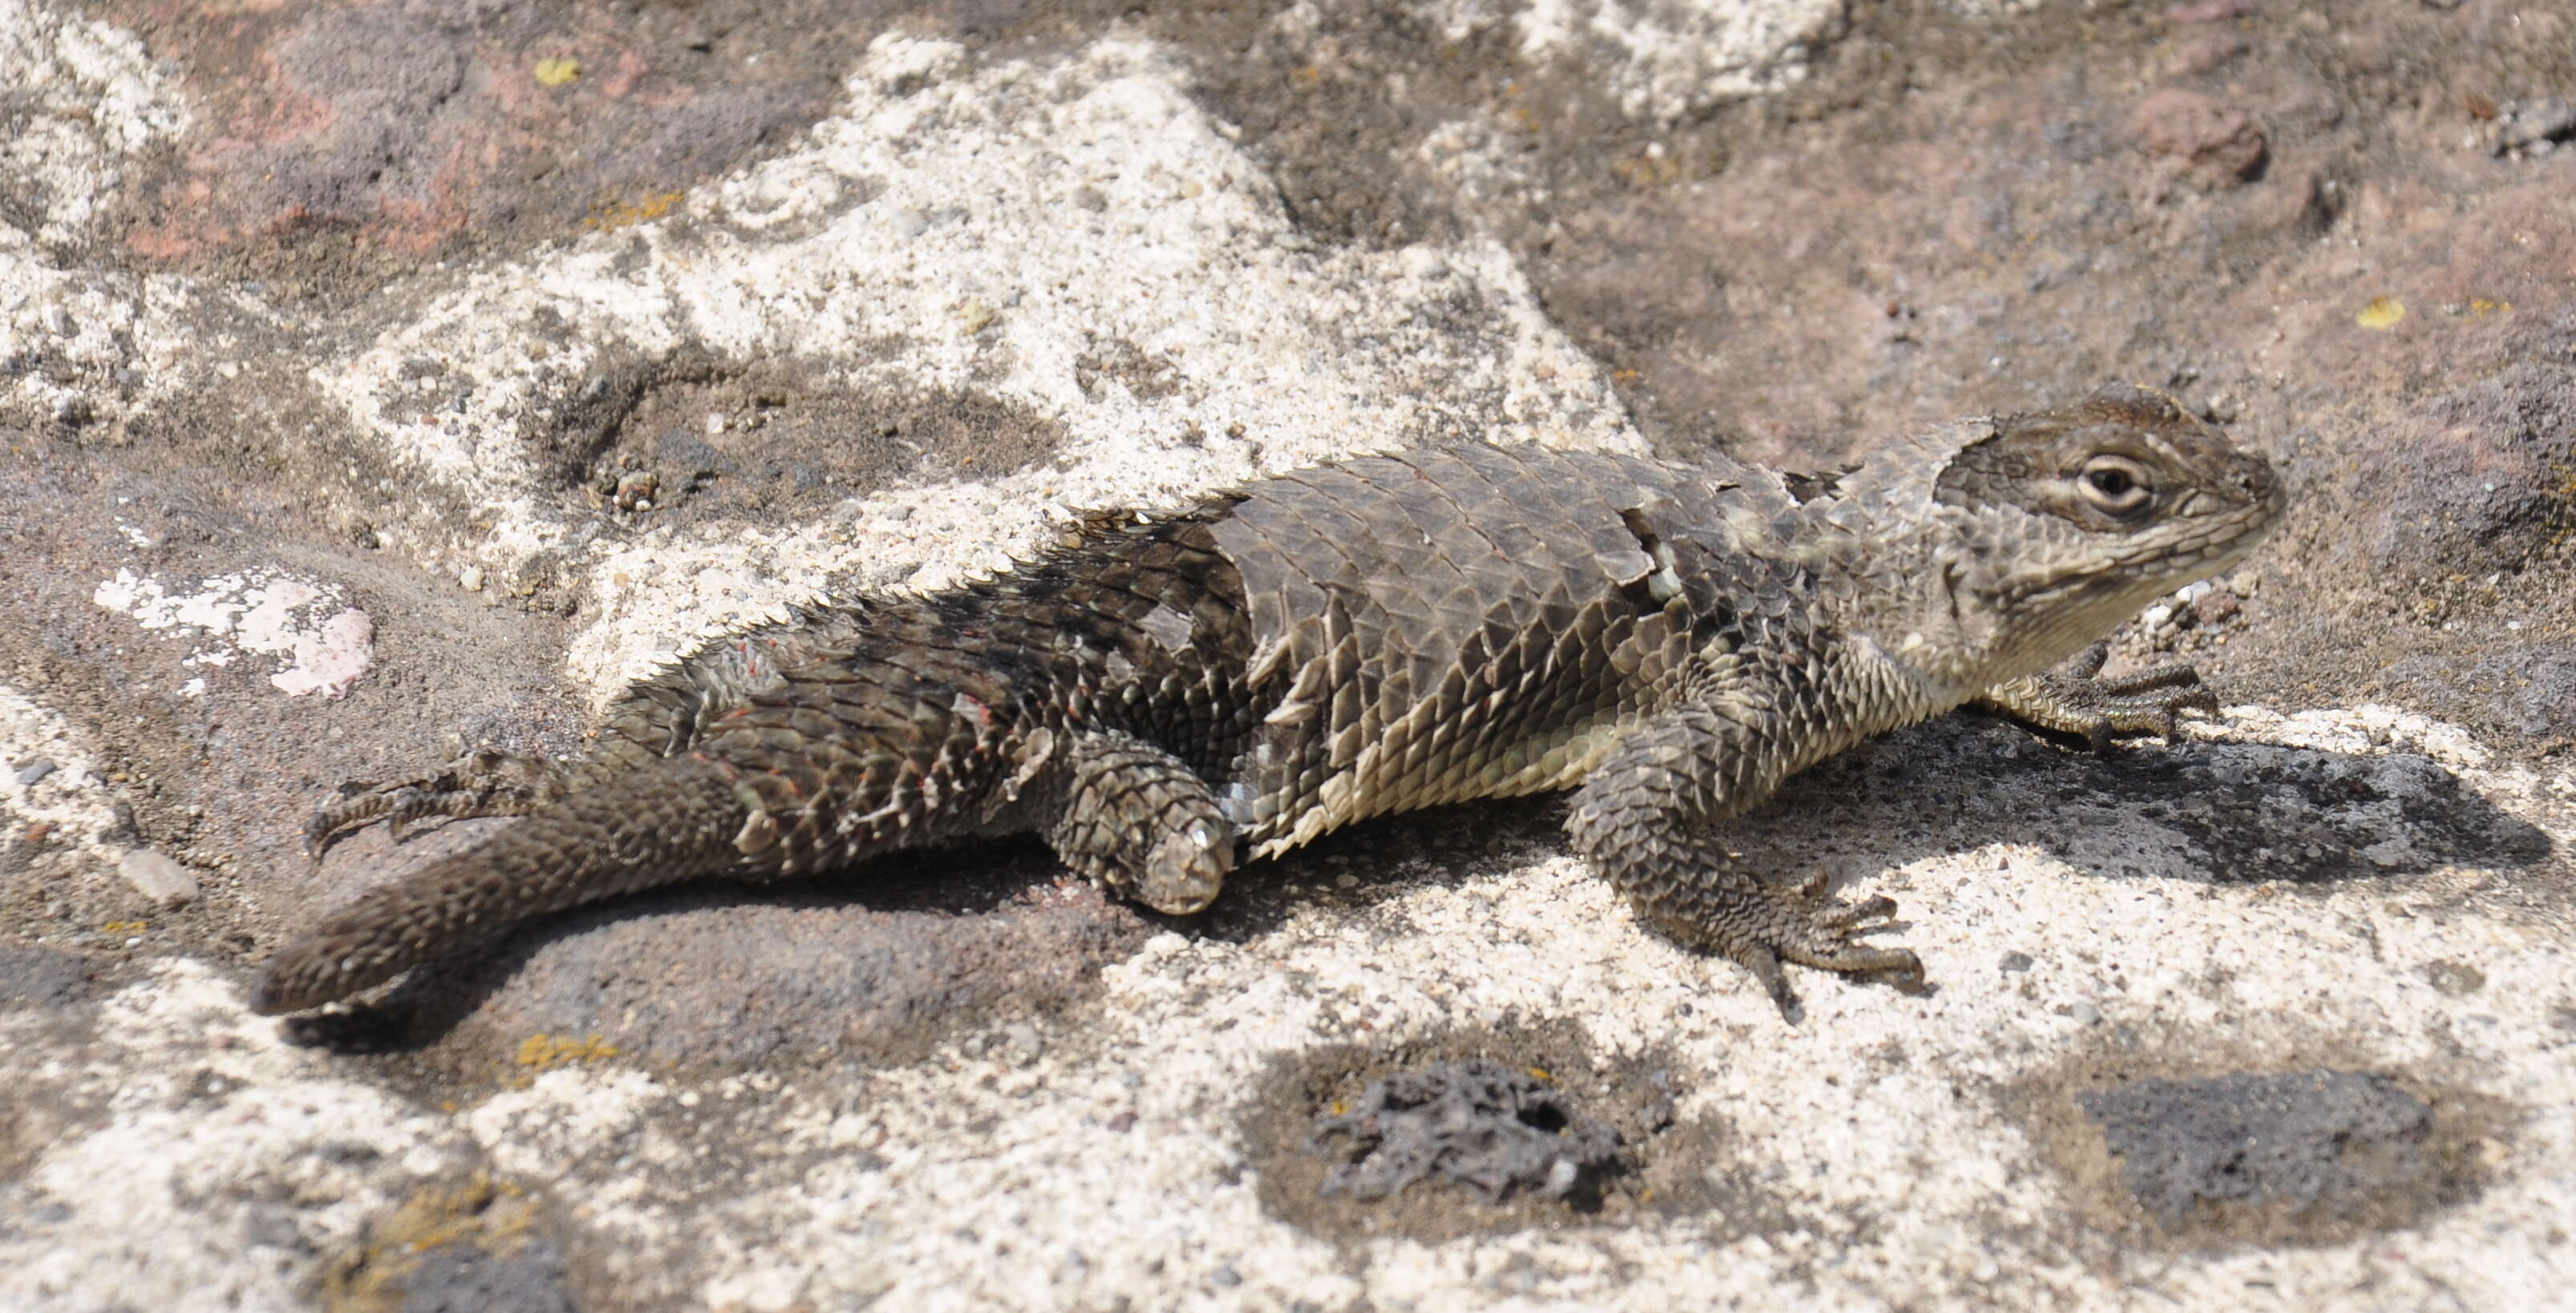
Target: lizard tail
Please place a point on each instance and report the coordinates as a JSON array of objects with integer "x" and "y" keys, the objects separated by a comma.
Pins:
[{"x": 678, "y": 821}]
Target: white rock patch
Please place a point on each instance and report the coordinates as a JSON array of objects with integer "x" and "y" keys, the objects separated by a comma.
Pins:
[
  {"x": 1665, "y": 58},
  {"x": 327, "y": 643},
  {"x": 967, "y": 226},
  {"x": 218, "y": 1165},
  {"x": 49, "y": 776},
  {"x": 91, "y": 95}
]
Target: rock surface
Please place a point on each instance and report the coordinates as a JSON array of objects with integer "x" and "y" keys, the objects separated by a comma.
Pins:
[{"x": 377, "y": 378}]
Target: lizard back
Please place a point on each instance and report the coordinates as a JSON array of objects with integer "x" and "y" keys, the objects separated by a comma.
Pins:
[{"x": 1473, "y": 621}]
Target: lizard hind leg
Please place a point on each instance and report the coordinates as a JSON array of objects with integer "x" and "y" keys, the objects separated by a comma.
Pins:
[
  {"x": 1139, "y": 820},
  {"x": 477, "y": 783}
]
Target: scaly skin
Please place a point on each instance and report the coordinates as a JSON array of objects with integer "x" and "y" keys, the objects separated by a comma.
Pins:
[{"x": 1163, "y": 696}]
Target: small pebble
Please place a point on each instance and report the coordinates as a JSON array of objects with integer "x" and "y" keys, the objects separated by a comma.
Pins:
[
  {"x": 34, "y": 771},
  {"x": 1021, "y": 1043},
  {"x": 165, "y": 882},
  {"x": 2015, "y": 962},
  {"x": 635, "y": 490},
  {"x": 2533, "y": 127},
  {"x": 2085, "y": 1014},
  {"x": 1226, "y": 1277}
]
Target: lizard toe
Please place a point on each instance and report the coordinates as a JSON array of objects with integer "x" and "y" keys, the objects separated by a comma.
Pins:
[
  {"x": 1765, "y": 966},
  {"x": 479, "y": 783},
  {"x": 1841, "y": 918}
]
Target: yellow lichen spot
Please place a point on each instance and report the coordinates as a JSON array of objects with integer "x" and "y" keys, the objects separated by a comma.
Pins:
[
  {"x": 558, "y": 72},
  {"x": 1625, "y": 376},
  {"x": 2480, "y": 307},
  {"x": 124, "y": 928},
  {"x": 1542, "y": 1074},
  {"x": 2381, "y": 314},
  {"x": 543, "y": 1052},
  {"x": 373, "y": 1276},
  {"x": 1645, "y": 171},
  {"x": 613, "y": 215}
]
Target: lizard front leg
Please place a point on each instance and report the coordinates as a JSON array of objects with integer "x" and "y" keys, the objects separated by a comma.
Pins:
[
  {"x": 2072, "y": 699},
  {"x": 1645, "y": 816},
  {"x": 1140, "y": 821}
]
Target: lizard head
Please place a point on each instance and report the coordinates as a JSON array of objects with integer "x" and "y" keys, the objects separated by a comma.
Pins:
[{"x": 2043, "y": 531}]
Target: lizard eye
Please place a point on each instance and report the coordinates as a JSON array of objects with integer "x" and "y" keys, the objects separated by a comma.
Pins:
[{"x": 2116, "y": 486}]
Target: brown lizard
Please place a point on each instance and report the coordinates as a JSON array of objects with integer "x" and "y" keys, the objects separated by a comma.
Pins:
[{"x": 1163, "y": 696}]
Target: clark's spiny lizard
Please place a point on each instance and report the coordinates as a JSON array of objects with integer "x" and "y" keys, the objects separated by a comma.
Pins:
[{"x": 1165, "y": 695}]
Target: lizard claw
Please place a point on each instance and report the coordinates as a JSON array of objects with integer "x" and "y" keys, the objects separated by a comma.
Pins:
[
  {"x": 2074, "y": 699},
  {"x": 480, "y": 783},
  {"x": 1816, "y": 931}
]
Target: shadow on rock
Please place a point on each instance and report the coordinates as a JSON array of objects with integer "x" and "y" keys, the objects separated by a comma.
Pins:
[
  {"x": 884, "y": 962},
  {"x": 880, "y": 964},
  {"x": 2224, "y": 812}
]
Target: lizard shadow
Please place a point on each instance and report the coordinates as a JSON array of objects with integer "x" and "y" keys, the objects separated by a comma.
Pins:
[
  {"x": 900, "y": 938},
  {"x": 880, "y": 961},
  {"x": 2219, "y": 811}
]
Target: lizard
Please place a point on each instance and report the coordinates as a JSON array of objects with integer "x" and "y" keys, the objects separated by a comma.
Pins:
[{"x": 1163, "y": 696}]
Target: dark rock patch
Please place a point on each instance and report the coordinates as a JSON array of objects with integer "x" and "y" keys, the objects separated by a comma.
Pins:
[
  {"x": 1478, "y": 1123},
  {"x": 473, "y": 1245},
  {"x": 44, "y": 978},
  {"x": 469, "y": 1279},
  {"x": 2479, "y": 479},
  {"x": 2335, "y": 1144},
  {"x": 876, "y": 966},
  {"x": 2193, "y": 1138},
  {"x": 1498, "y": 1110},
  {"x": 336, "y": 147},
  {"x": 692, "y": 438},
  {"x": 2525, "y": 692}
]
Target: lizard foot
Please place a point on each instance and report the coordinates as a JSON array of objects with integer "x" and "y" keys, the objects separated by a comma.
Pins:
[
  {"x": 1761, "y": 929},
  {"x": 1811, "y": 929},
  {"x": 479, "y": 783},
  {"x": 2073, "y": 699}
]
